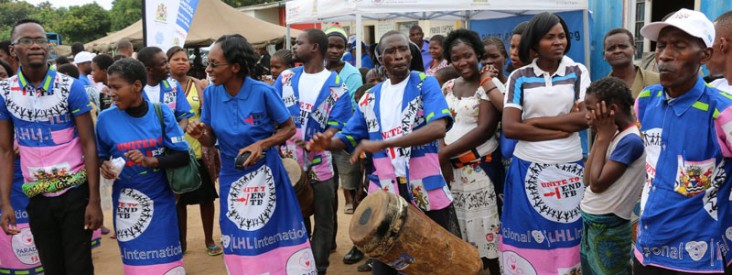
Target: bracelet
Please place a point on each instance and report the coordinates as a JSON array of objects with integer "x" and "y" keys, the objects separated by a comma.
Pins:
[{"x": 484, "y": 80}]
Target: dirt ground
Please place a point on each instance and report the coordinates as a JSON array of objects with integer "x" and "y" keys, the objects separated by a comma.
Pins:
[{"x": 107, "y": 258}]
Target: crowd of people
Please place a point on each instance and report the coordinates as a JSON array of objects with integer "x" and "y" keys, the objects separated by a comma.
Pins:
[{"x": 482, "y": 138}]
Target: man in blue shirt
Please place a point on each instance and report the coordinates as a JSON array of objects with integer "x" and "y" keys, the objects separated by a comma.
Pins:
[
  {"x": 83, "y": 63},
  {"x": 685, "y": 217},
  {"x": 417, "y": 37}
]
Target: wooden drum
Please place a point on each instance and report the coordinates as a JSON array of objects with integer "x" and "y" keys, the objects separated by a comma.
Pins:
[
  {"x": 303, "y": 190},
  {"x": 389, "y": 229}
]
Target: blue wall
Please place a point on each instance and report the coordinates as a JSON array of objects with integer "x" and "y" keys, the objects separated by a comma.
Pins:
[
  {"x": 714, "y": 8},
  {"x": 605, "y": 16}
]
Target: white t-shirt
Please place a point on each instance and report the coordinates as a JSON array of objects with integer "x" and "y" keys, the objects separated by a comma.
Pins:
[
  {"x": 538, "y": 94},
  {"x": 722, "y": 85},
  {"x": 390, "y": 107},
  {"x": 620, "y": 198},
  {"x": 153, "y": 93},
  {"x": 309, "y": 88}
]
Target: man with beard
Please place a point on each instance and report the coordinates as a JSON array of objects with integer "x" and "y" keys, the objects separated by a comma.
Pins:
[
  {"x": 318, "y": 102},
  {"x": 49, "y": 114},
  {"x": 688, "y": 167},
  {"x": 377, "y": 128},
  {"x": 160, "y": 88}
]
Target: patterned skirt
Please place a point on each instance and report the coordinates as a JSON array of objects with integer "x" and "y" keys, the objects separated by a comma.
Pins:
[
  {"x": 541, "y": 221},
  {"x": 474, "y": 199},
  {"x": 262, "y": 230}
]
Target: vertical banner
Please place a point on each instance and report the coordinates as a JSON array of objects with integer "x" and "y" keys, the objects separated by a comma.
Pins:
[{"x": 166, "y": 22}]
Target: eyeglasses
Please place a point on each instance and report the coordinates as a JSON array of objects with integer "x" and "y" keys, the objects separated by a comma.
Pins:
[
  {"x": 42, "y": 41},
  {"x": 216, "y": 65}
]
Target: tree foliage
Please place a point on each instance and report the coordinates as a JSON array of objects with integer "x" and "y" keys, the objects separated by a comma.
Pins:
[
  {"x": 124, "y": 13},
  {"x": 85, "y": 23}
]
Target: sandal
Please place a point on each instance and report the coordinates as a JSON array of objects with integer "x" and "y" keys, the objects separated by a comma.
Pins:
[
  {"x": 366, "y": 267},
  {"x": 214, "y": 250},
  {"x": 348, "y": 210}
]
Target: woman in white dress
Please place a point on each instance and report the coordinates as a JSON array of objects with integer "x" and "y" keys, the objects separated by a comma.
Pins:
[{"x": 469, "y": 144}]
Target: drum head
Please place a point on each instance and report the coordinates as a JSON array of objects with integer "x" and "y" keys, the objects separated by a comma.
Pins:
[
  {"x": 373, "y": 215},
  {"x": 294, "y": 172}
]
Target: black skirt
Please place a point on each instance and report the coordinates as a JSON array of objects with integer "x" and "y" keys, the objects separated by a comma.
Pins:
[{"x": 205, "y": 193}]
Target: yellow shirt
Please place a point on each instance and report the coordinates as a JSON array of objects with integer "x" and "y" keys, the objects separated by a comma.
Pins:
[
  {"x": 643, "y": 78},
  {"x": 195, "y": 102}
]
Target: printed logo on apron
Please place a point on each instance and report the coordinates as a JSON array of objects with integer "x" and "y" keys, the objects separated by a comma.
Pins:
[
  {"x": 301, "y": 262},
  {"x": 555, "y": 190},
  {"x": 134, "y": 213},
  {"x": 252, "y": 199},
  {"x": 24, "y": 247},
  {"x": 514, "y": 264}
]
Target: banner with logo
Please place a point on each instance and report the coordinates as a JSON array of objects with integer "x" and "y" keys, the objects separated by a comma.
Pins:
[
  {"x": 166, "y": 22},
  {"x": 503, "y": 27}
]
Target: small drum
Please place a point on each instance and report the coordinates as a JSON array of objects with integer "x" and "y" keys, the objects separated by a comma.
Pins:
[
  {"x": 299, "y": 182},
  {"x": 389, "y": 229}
]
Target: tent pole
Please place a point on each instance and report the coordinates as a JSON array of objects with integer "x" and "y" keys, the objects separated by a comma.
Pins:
[
  {"x": 467, "y": 20},
  {"x": 359, "y": 30},
  {"x": 287, "y": 38},
  {"x": 586, "y": 21}
]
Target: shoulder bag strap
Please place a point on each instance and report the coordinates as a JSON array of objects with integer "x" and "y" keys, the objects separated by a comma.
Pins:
[{"x": 159, "y": 115}]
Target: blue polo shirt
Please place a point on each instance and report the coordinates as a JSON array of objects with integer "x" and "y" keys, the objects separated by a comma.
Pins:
[
  {"x": 238, "y": 121},
  {"x": 685, "y": 219}
]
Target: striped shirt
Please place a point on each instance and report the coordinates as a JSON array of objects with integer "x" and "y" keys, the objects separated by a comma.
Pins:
[{"x": 540, "y": 94}]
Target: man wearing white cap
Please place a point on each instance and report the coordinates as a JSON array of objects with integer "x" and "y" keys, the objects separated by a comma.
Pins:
[
  {"x": 83, "y": 61},
  {"x": 686, "y": 125}
]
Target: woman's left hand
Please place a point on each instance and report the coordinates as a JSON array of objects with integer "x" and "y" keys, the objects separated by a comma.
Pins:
[
  {"x": 255, "y": 149},
  {"x": 138, "y": 158}
]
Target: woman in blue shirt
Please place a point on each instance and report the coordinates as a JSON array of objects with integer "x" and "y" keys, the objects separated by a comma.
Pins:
[
  {"x": 144, "y": 206},
  {"x": 261, "y": 225}
]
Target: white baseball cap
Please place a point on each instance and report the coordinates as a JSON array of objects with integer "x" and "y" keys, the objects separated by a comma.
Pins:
[
  {"x": 83, "y": 56},
  {"x": 692, "y": 22}
]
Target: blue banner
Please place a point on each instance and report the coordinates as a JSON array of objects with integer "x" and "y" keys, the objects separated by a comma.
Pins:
[{"x": 503, "y": 27}]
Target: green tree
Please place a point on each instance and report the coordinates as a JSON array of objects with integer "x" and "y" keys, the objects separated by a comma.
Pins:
[
  {"x": 124, "y": 13},
  {"x": 84, "y": 23},
  {"x": 10, "y": 12}
]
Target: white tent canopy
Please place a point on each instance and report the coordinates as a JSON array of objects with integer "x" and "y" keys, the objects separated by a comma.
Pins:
[{"x": 311, "y": 11}]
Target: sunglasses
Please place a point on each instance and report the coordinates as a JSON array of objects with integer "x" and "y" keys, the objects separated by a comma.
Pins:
[{"x": 216, "y": 65}]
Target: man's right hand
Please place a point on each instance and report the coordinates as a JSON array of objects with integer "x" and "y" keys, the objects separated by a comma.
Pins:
[
  {"x": 107, "y": 171},
  {"x": 320, "y": 142},
  {"x": 7, "y": 220}
]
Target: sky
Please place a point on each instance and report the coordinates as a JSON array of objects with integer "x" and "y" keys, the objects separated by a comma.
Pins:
[{"x": 107, "y": 4}]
